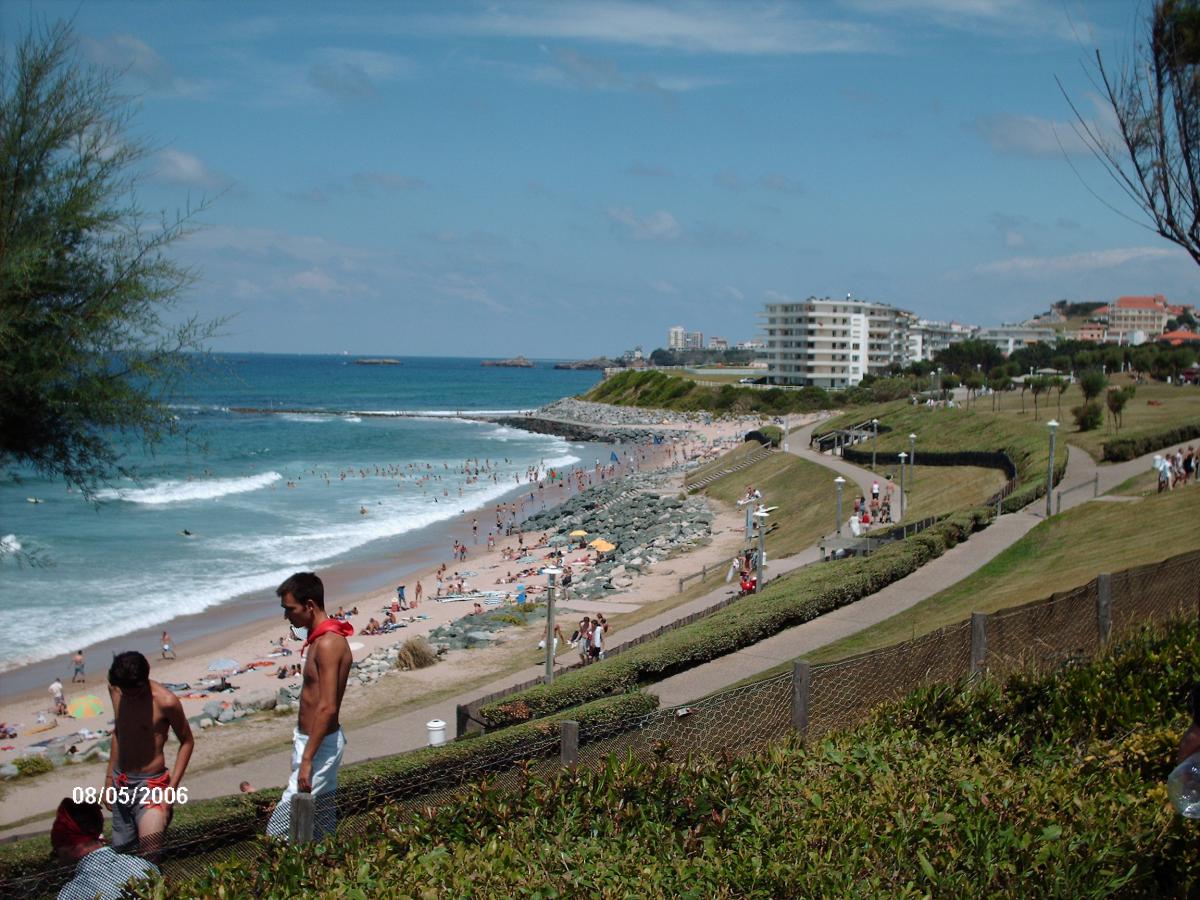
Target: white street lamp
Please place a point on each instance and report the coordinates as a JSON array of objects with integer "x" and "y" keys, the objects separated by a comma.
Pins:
[
  {"x": 553, "y": 573},
  {"x": 761, "y": 516},
  {"x": 903, "y": 457},
  {"x": 874, "y": 441},
  {"x": 912, "y": 457},
  {"x": 840, "y": 483},
  {"x": 1053, "y": 426}
]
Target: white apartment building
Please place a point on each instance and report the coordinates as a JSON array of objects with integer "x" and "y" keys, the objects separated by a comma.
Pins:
[
  {"x": 1130, "y": 315},
  {"x": 717, "y": 343},
  {"x": 1008, "y": 338},
  {"x": 693, "y": 340},
  {"x": 926, "y": 337},
  {"x": 833, "y": 343},
  {"x": 676, "y": 338}
]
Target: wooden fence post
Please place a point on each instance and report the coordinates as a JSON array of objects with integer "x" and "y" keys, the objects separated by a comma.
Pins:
[
  {"x": 568, "y": 753},
  {"x": 300, "y": 829},
  {"x": 801, "y": 684},
  {"x": 978, "y": 641},
  {"x": 461, "y": 717},
  {"x": 1104, "y": 606}
]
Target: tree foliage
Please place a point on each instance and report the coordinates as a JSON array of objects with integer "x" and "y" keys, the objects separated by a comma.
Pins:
[
  {"x": 1155, "y": 157},
  {"x": 88, "y": 348}
]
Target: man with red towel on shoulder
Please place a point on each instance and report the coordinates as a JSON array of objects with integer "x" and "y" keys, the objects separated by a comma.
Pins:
[
  {"x": 318, "y": 741},
  {"x": 99, "y": 870}
]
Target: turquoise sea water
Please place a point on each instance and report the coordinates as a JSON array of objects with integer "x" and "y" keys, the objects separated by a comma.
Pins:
[{"x": 268, "y": 494}]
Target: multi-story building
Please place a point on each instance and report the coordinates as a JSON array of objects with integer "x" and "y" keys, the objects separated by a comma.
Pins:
[
  {"x": 717, "y": 343},
  {"x": 1096, "y": 332},
  {"x": 926, "y": 337},
  {"x": 1008, "y": 338},
  {"x": 676, "y": 336},
  {"x": 1132, "y": 314},
  {"x": 833, "y": 343},
  {"x": 693, "y": 340},
  {"x": 751, "y": 345}
]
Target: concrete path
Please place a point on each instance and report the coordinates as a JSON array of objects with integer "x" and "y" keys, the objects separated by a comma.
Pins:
[{"x": 941, "y": 573}]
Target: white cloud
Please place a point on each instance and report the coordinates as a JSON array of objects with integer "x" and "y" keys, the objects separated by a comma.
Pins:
[
  {"x": 730, "y": 180},
  {"x": 130, "y": 55},
  {"x": 999, "y": 18},
  {"x": 177, "y": 167},
  {"x": 388, "y": 181},
  {"x": 1031, "y": 136},
  {"x": 350, "y": 74},
  {"x": 1075, "y": 262},
  {"x": 658, "y": 225},
  {"x": 773, "y": 296},
  {"x": 648, "y": 170},
  {"x": 467, "y": 287},
  {"x": 314, "y": 280},
  {"x": 743, "y": 28},
  {"x": 733, "y": 293},
  {"x": 780, "y": 183},
  {"x": 664, "y": 287}
]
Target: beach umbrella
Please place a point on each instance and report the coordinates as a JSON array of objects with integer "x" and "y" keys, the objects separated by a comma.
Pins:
[
  {"x": 85, "y": 707},
  {"x": 578, "y": 532},
  {"x": 602, "y": 546},
  {"x": 559, "y": 539},
  {"x": 223, "y": 665}
]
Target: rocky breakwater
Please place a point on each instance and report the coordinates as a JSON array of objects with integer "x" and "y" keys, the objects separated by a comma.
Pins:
[
  {"x": 579, "y": 420},
  {"x": 484, "y": 630},
  {"x": 641, "y": 516}
]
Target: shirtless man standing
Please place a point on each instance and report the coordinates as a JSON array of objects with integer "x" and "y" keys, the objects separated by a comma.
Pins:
[
  {"x": 144, "y": 711},
  {"x": 318, "y": 741}
]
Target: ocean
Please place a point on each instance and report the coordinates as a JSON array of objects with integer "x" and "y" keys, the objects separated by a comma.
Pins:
[{"x": 347, "y": 473}]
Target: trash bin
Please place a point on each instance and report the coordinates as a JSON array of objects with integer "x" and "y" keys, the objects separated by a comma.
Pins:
[{"x": 437, "y": 732}]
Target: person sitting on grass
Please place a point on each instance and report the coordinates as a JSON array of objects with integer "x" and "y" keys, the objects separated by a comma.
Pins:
[{"x": 99, "y": 870}]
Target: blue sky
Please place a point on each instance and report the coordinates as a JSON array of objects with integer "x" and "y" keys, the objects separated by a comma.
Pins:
[{"x": 571, "y": 179}]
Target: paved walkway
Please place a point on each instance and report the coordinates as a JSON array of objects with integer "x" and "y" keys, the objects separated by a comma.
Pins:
[{"x": 948, "y": 569}]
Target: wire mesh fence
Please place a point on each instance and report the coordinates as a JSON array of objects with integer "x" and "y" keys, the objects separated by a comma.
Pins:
[{"x": 1045, "y": 635}]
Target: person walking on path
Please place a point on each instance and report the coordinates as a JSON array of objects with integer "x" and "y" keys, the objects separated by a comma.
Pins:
[
  {"x": 167, "y": 647},
  {"x": 77, "y": 660},
  {"x": 318, "y": 742},
  {"x": 60, "y": 702},
  {"x": 144, "y": 712}
]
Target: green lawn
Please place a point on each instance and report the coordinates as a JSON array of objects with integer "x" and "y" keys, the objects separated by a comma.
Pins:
[
  {"x": 803, "y": 491},
  {"x": 1064, "y": 552},
  {"x": 729, "y": 458},
  {"x": 946, "y": 489}
]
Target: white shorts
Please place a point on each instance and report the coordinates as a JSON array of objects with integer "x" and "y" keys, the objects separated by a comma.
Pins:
[{"x": 326, "y": 762}]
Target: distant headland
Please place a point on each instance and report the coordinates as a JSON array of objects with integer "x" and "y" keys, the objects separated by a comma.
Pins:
[
  {"x": 378, "y": 362},
  {"x": 600, "y": 362},
  {"x": 517, "y": 362}
]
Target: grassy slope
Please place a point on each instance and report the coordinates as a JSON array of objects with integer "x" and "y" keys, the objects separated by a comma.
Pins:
[
  {"x": 983, "y": 791},
  {"x": 803, "y": 491},
  {"x": 729, "y": 458},
  {"x": 946, "y": 489},
  {"x": 1068, "y": 550}
]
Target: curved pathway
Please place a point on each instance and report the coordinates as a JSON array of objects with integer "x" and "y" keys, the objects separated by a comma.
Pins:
[{"x": 948, "y": 569}]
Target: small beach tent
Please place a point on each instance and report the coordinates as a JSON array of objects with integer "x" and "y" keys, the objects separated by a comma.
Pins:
[
  {"x": 578, "y": 532},
  {"x": 85, "y": 707},
  {"x": 612, "y": 457}
]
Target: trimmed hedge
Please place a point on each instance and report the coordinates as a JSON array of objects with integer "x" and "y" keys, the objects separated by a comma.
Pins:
[
  {"x": 791, "y": 600},
  {"x": 225, "y": 821},
  {"x": 996, "y": 459},
  {"x": 1122, "y": 449}
]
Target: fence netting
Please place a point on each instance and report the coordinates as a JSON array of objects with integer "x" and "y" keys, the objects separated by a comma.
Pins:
[
  {"x": 1044, "y": 635},
  {"x": 843, "y": 693}
]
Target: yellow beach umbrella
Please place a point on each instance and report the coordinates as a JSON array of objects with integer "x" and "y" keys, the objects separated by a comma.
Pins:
[
  {"x": 602, "y": 545},
  {"x": 86, "y": 707},
  {"x": 578, "y": 532}
]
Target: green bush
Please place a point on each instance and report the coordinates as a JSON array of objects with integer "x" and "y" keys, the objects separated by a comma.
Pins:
[
  {"x": 230, "y": 820},
  {"x": 659, "y": 390},
  {"x": 1040, "y": 786},
  {"x": 790, "y": 600},
  {"x": 33, "y": 765},
  {"x": 1125, "y": 448},
  {"x": 772, "y": 433},
  {"x": 1088, "y": 417}
]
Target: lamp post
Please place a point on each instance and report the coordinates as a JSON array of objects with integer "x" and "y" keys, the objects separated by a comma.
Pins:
[
  {"x": 874, "y": 441},
  {"x": 939, "y": 388},
  {"x": 839, "y": 482},
  {"x": 760, "y": 515},
  {"x": 553, "y": 574},
  {"x": 903, "y": 457},
  {"x": 1053, "y": 426},
  {"x": 912, "y": 456}
]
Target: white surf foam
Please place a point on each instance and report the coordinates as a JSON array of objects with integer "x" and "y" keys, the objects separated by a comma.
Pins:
[
  {"x": 9, "y": 544},
  {"x": 184, "y": 491}
]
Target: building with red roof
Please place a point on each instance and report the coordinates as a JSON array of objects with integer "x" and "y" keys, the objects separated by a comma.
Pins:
[
  {"x": 1129, "y": 314},
  {"x": 1179, "y": 338}
]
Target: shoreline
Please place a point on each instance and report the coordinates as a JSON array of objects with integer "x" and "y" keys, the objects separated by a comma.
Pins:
[{"x": 242, "y": 624}]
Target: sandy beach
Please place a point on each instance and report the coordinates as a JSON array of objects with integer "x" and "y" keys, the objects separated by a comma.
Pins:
[{"x": 251, "y": 641}]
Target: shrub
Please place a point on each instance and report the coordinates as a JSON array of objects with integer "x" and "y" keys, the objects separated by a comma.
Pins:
[
  {"x": 33, "y": 765},
  {"x": 791, "y": 600},
  {"x": 417, "y": 653},
  {"x": 1125, "y": 448},
  {"x": 773, "y": 434},
  {"x": 998, "y": 789},
  {"x": 1088, "y": 417}
]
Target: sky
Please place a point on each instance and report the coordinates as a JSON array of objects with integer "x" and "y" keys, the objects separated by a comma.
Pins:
[{"x": 566, "y": 180}]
